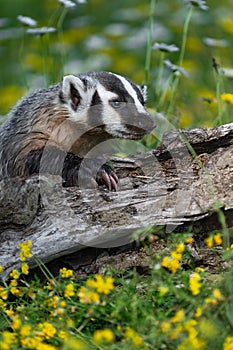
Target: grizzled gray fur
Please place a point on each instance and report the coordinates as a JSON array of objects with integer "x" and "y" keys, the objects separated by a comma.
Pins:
[{"x": 52, "y": 129}]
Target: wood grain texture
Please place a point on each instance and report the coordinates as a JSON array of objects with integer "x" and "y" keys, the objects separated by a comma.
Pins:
[{"x": 181, "y": 183}]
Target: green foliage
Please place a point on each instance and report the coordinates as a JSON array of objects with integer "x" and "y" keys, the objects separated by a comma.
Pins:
[
  {"x": 173, "y": 307},
  {"x": 120, "y": 36}
]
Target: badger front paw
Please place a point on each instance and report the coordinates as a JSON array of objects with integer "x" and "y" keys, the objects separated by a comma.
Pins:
[
  {"x": 88, "y": 173},
  {"x": 107, "y": 176}
]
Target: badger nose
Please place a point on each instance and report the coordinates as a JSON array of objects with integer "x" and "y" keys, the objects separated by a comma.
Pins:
[{"x": 146, "y": 122}]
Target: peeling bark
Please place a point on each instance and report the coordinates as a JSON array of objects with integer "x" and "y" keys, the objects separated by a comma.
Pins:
[{"x": 181, "y": 183}]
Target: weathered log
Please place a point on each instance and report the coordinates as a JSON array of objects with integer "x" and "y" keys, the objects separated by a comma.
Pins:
[{"x": 181, "y": 183}]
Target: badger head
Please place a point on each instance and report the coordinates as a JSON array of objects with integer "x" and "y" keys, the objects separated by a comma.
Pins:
[{"x": 107, "y": 101}]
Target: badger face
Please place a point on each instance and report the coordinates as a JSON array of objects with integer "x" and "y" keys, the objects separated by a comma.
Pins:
[{"x": 108, "y": 101}]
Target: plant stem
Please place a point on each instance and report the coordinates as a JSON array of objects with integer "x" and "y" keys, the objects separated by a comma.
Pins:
[
  {"x": 149, "y": 41},
  {"x": 218, "y": 96},
  {"x": 160, "y": 74},
  {"x": 60, "y": 32},
  {"x": 181, "y": 58},
  {"x": 225, "y": 230},
  {"x": 164, "y": 93},
  {"x": 185, "y": 35},
  {"x": 45, "y": 58},
  {"x": 173, "y": 94},
  {"x": 21, "y": 59}
]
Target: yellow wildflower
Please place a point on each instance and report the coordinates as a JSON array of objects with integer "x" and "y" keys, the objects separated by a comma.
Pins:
[
  {"x": 25, "y": 252},
  {"x": 209, "y": 242},
  {"x": 102, "y": 284},
  {"x": 10, "y": 313},
  {"x": 133, "y": 336},
  {"x": 16, "y": 291},
  {"x": 58, "y": 312},
  {"x": 163, "y": 290},
  {"x": 165, "y": 326},
  {"x": 227, "y": 98},
  {"x": 16, "y": 323},
  {"x": 75, "y": 344},
  {"x": 47, "y": 329},
  {"x": 211, "y": 301},
  {"x": 50, "y": 285},
  {"x": 63, "y": 335},
  {"x": 25, "y": 268},
  {"x": 199, "y": 269},
  {"x": 192, "y": 344},
  {"x": 87, "y": 296},
  {"x": 175, "y": 333},
  {"x": 30, "y": 342},
  {"x": 63, "y": 303},
  {"x": 3, "y": 293},
  {"x": 31, "y": 294},
  {"x": 189, "y": 326},
  {"x": 65, "y": 273},
  {"x": 228, "y": 344},
  {"x": 194, "y": 283},
  {"x": 176, "y": 255},
  {"x": 43, "y": 346},
  {"x": 198, "y": 312},
  {"x": 15, "y": 274},
  {"x": 179, "y": 248},
  {"x": 70, "y": 323},
  {"x": 69, "y": 290},
  {"x": 178, "y": 316},
  {"x": 1, "y": 268},
  {"x": 189, "y": 240},
  {"x": 3, "y": 305},
  {"x": 52, "y": 302},
  {"x": 4, "y": 346},
  {"x": 230, "y": 248},
  {"x": 13, "y": 283},
  {"x": 217, "y": 294},
  {"x": 25, "y": 330},
  {"x": 103, "y": 336},
  {"x": 10, "y": 94},
  {"x": 215, "y": 298},
  {"x": 218, "y": 239},
  {"x": 8, "y": 339},
  {"x": 170, "y": 263}
]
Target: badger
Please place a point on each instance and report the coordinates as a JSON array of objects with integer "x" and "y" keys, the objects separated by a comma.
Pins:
[{"x": 52, "y": 129}]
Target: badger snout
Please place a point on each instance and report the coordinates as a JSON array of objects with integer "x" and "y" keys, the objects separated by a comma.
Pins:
[
  {"x": 146, "y": 122},
  {"x": 140, "y": 124}
]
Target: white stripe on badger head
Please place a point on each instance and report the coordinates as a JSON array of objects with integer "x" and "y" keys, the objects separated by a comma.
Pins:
[
  {"x": 132, "y": 93},
  {"x": 110, "y": 117}
]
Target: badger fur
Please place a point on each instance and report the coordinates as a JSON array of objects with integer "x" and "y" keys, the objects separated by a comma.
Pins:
[{"x": 61, "y": 123}]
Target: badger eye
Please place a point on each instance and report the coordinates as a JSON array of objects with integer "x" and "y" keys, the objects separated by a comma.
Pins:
[{"x": 115, "y": 103}]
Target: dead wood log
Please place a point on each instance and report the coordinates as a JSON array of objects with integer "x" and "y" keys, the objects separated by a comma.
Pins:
[{"x": 181, "y": 183}]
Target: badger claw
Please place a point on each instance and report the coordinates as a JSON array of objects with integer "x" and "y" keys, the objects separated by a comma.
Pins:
[{"x": 107, "y": 176}]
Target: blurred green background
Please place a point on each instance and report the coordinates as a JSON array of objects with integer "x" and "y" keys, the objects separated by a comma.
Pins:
[{"x": 112, "y": 35}]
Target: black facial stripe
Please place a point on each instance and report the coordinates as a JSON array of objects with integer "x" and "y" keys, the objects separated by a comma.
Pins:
[
  {"x": 61, "y": 97},
  {"x": 113, "y": 84},
  {"x": 96, "y": 99},
  {"x": 95, "y": 110}
]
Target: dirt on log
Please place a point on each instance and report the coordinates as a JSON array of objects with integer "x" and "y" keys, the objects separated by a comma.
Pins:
[{"x": 187, "y": 181}]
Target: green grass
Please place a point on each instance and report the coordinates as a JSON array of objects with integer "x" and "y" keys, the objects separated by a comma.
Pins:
[{"x": 175, "y": 306}]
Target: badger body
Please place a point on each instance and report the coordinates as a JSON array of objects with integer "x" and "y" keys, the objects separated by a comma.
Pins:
[{"x": 53, "y": 128}]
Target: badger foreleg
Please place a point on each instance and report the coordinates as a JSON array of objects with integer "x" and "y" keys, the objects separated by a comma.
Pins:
[{"x": 74, "y": 170}]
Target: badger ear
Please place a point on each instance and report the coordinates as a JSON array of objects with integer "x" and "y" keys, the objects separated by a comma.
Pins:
[
  {"x": 72, "y": 90},
  {"x": 143, "y": 89}
]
